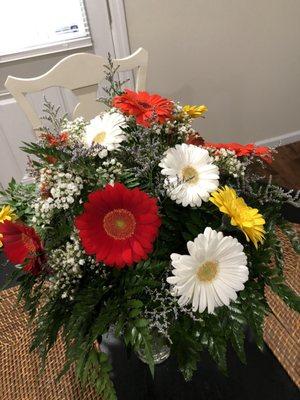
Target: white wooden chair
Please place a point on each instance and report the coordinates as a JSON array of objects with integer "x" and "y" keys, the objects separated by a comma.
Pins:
[{"x": 81, "y": 73}]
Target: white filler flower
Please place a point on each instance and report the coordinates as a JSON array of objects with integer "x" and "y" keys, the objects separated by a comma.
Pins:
[
  {"x": 191, "y": 175},
  {"x": 105, "y": 129},
  {"x": 213, "y": 272}
]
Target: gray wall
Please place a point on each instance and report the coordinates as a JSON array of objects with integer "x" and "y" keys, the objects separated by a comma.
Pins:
[{"x": 239, "y": 57}]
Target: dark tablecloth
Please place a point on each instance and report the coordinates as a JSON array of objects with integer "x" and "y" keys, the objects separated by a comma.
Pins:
[{"x": 262, "y": 378}]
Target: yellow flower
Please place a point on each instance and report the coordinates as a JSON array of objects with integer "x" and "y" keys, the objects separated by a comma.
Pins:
[
  {"x": 195, "y": 111},
  {"x": 6, "y": 213},
  {"x": 246, "y": 218}
]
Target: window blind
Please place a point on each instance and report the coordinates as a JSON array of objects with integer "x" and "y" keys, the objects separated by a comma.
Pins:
[{"x": 36, "y": 27}]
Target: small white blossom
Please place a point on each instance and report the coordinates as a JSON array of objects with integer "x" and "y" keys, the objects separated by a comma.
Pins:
[
  {"x": 228, "y": 162},
  {"x": 67, "y": 265},
  {"x": 109, "y": 172},
  {"x": 58, "y": 190}
]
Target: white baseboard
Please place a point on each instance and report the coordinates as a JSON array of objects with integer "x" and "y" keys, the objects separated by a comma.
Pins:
[{"x": 281, "y": 140}]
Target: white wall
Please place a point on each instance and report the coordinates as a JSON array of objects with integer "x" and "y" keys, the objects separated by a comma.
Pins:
[{"x": 239, "y": 57}]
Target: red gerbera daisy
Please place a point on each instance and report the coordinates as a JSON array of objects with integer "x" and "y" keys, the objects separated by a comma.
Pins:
[
  {"x": 118, "y": 225},
  {"x": 22, "y": 246},
  {"x": 244, "y": 150},
  {"x": 146, "y": 108}
]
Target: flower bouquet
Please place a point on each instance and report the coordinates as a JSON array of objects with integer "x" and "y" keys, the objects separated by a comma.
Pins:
[{"x": 135, "y": 224}]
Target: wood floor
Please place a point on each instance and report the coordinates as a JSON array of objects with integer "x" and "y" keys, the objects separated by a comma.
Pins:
[{"x": 285, "y": 168}]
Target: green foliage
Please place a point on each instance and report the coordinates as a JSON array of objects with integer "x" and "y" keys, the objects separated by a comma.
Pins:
[
  {"x": 254, "y": 308},
  {"x": 214, "y": 332},
  {"x": 53, "y": 117},
  {"x": 183, "y": 224},
  {"x": 30, "y": 292},
  {"x": 43, "y": 152},
  {"x": 93, "y": 367},
  {"x": 278, "y": 255},
  {"x": 16, "y": 273},
  {"x": 186, "y": 345},
  {"x": 114, "y": 85},
  {"x": 20, "y": 197},
  {"x": 210, "y": 332},
  {"x": 277, "y": 284},
  {"x": 234, "y": 325},
  {"x": 129, "y": 179},
  {"x": 80, "y": 323},
  {"x": 291, "y": 233},
  {"x": 55, "y": 237},
  {"x": 138, "y": 336}
]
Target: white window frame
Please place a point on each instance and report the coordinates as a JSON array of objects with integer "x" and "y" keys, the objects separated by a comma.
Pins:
[{"x": 53, "y": 48}]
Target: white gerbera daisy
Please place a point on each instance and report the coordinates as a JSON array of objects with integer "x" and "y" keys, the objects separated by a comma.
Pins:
[
  {"x": 105, "y": 129},
  {"x": 191, "y": 175},
  {"x": 213, "y": 272}
]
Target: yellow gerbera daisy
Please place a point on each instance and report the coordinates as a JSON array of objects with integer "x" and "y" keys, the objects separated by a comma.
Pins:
[
  {"x": 6, "y": 213},
  {"x": 246, "y": 218},
  {"x": 195, "y": 111}
]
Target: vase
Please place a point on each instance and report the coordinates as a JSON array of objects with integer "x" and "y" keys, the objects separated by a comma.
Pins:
[{"x": 160, "y": 349}]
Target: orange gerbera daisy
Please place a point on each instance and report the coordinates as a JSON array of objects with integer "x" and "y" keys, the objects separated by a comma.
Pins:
[
  {"x": 55, "y": 141},
  {"x": 146, "y": 108}
]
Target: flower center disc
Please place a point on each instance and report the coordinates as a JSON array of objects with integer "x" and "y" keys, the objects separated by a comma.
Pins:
[
  {"x": 190, "y": 175},
  {"x": 144, "y": 105},
  {"x": 99, "y": 138},
  {"x": 119, "y": 224},
  {"x": 207, "y": 271}
]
